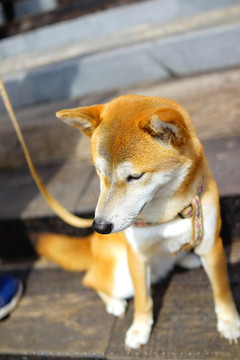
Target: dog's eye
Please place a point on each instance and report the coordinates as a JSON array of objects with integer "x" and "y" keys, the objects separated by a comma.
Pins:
[{"x": 134, "y": 177}]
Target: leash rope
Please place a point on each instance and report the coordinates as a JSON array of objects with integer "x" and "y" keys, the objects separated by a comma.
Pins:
[{"x": 63, "y": 213}]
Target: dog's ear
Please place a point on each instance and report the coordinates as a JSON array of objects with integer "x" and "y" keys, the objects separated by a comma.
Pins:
[
  {"x": 82, "y": 118},
  {"x": 166, "y": 125}
]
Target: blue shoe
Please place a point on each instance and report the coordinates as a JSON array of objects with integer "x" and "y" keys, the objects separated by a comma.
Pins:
[{"x": 10, "y": 292}]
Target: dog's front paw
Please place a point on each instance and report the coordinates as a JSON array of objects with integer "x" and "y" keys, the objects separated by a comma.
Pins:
[
  {"x": 116, "y": 307},
  {"x": 137, "y": 335},
  {"x": 229, "y": 329}
]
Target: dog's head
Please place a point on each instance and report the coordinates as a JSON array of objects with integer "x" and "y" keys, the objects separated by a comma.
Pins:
[{"x": 139, "y": 145}]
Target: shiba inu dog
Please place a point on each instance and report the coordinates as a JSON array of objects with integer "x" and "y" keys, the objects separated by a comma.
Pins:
[{"x": 158, "y": 198}]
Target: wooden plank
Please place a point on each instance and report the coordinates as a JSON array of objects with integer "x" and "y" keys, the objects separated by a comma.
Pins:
[
  {"x": 88, "y": 201},
  {"x": 71, "y": 321},
  {"x": 212, "y": 100},
  {"x": 204, "y": 96},
  {"x": 76, "y": 185},
  {"x": 185, "y": 323},
  {"x": 19, "y": 196},
  {"x": 49, "y": 140},
  {"x": 57, "y": 317},
  {"x": 17, "y": 236},
  {"x": 223, "y": 156}
]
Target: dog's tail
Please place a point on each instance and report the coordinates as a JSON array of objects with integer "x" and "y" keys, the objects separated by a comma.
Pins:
[{"x": 71, "y": 253}]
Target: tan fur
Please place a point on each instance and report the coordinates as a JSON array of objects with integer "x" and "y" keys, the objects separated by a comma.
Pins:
[
  {"x": 94, "y": 254},
  {"x": 104, "y": 253},
  {"x": 154, "y": 139},
  {"x": 70, "y": 253}
]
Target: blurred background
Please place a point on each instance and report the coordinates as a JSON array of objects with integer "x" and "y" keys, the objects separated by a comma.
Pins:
[
  {"x": 64, "y": 53},
  {"x": 57, "y": 54}
]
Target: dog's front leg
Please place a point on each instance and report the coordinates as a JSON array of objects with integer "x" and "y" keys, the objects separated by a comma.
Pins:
[
  {"x": 214, "y": 262},
  {"x": 139, "y": 332}
]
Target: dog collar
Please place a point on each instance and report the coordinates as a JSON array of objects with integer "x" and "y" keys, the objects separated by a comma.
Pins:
[{"x": 194, "y": 211}]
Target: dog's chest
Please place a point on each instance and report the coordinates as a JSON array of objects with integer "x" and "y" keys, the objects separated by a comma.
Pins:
[{"x": 168, "y": 237}]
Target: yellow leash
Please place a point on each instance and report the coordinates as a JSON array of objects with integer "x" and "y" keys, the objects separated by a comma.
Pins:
[{"x": 63, "y": 213}]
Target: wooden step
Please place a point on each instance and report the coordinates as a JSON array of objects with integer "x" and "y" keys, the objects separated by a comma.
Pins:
[
  {"x": 76, "y": 185},
  {"x": 58, "y": 318},
  {"x": 18, "y": 235},
  {"x": 211, "y": 99}
]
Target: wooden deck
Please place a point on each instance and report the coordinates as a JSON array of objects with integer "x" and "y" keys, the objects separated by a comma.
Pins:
[{"x": 57, "y": 317}]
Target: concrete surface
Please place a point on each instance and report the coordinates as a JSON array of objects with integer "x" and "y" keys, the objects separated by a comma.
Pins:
[
  {"x": 107, "y": 22},
  {"x": 121, "y": 47}
]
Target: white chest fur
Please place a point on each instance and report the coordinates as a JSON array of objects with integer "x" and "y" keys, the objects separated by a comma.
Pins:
[
  {"x": 156, "y": 243},
  {"x": 164, "y": 238}
]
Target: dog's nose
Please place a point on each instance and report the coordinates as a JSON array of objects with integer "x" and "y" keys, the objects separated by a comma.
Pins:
[{"x": 102, "y": 227}]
